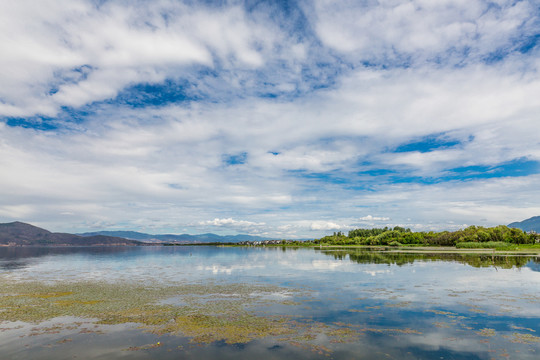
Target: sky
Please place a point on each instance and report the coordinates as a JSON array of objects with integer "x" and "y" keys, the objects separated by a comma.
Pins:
[{"x": 284, "y": 119}]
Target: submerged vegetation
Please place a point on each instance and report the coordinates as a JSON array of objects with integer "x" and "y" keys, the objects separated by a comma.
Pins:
[
  {"x": 364, "y": 312},
  {"x": 233, "y": 314},
  {"x": 498, "y": 237},
  {"x": 162, "y": 309},
  {"x": 203, "y": 313}
]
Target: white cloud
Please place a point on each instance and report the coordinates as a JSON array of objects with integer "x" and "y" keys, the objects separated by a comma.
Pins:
[
  {"x": 325, "y": 225},
  {"x": 72, "y": 53},
  {"x": 230, "y": 222},
  {"x": 374, "y": 218},
  {"x": 317, "y": 159},
  {"x": 173, "y": 168},
  {"x": 16, "y": 211},
  {"x": 420, "y": 30},
  {"x": 239, "y": 226}
]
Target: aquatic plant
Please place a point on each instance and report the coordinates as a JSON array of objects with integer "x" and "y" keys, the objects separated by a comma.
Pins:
[{"x": 206, "y": 313}]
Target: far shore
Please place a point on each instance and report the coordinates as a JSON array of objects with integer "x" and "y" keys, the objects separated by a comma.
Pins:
[
  {"x": 435, "y": 249},
  {"x": 517, "y": 250},
  {"x": 524, "y": 249}
]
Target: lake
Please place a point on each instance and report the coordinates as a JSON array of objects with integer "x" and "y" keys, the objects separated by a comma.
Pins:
[{"x": 206, "y": 302}]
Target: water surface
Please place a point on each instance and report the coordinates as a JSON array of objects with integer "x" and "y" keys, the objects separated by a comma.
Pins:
[{"x": 345, "y": 304}]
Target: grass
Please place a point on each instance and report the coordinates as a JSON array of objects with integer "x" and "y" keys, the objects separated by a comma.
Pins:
[{"x": 498, "y": 245}]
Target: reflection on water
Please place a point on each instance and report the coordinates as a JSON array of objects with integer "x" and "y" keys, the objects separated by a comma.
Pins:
[
  {"x": 338, "y": 304},
  {"x": 361, "y": 256},
  {"x": 19, "y": 253},
  {"x": 20, "y": 257}
]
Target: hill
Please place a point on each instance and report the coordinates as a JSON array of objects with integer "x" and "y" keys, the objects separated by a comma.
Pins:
[
  {"x": 532, "y": 224},
  {"x": 22, "y": 234},
  {"x": 182, "y": 238}
]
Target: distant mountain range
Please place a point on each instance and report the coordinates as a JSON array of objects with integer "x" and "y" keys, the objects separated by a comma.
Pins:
[
  {"x": 22, "y": 234},
  {"x": 532, "y": 224},
  {"x": 182, "y": 238}
]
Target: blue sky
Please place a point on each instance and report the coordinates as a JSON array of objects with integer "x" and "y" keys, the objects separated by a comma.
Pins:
[{"x": 286, "y": 119}]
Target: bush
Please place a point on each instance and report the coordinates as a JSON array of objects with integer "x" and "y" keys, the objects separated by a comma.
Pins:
[{"x": 483, "y": 245}]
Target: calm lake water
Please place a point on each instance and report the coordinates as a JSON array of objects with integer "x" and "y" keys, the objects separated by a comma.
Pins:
[{"x": 365, "y": 305}]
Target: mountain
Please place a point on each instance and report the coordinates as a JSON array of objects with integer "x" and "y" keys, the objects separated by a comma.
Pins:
[
  {"x": 532, "y": 224},
  {"x": 182, "y": 238},
  {"x": 22, "y": 234},
  {"x": 133, "y": 235}
]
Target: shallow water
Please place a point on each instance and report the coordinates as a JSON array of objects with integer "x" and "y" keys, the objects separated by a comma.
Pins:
[{"x": 346, "y": 304}]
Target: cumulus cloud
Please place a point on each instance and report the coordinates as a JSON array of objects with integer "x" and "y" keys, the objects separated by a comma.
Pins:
[
  {"x": 161, "y": 115},
  {"x": 230, "y": 222},
  {"x": 373, "y": 218},
  {"x": 73, "y": 53},
  {"x": 243, "y": 226},
  {"x": 325, "y": 225}
]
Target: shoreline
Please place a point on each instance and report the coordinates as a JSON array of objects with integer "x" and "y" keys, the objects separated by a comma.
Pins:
[
  {"x": 435, "y": 249},
  {"x": 405, "y": 249}
]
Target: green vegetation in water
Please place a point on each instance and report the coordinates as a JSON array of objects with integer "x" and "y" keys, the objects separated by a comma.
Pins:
[
  {"x": 521, "y": 338},
  {"x": 203, "y": 313},
  {"x": 486, "y": 332},
  {"x": 499, "y": 245},
  {"x": 208, "y": 313}
]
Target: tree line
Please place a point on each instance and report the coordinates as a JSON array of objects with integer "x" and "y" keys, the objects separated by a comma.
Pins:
[{"x": 472, "y": 236}]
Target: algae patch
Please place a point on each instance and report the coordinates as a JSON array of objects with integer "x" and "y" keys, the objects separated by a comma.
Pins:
[{"x": 205, "y": 313}]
